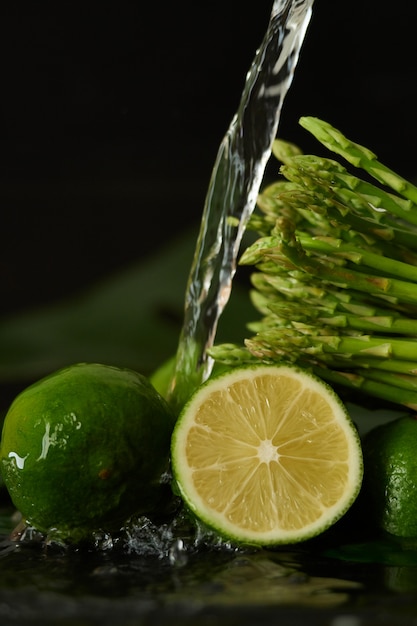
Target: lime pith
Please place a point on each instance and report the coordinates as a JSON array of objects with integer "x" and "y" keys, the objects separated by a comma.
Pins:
[{"x": 266, "y": 455}]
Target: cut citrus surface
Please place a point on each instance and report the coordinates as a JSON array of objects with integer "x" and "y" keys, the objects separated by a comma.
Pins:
[{"x": 266, "y": 455}]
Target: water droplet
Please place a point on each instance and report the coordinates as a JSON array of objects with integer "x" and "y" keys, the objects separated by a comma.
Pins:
[
  {"x": 19, "y": 460},
  {"x": 177, "y": 554}
]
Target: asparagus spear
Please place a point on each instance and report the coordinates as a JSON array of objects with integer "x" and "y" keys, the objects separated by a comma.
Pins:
[
  {"x": 364, "y": 381},
  {"x": 285, "y": 248},
  {"x": 358, "y": 382},
  {"x": 358, "y": 156},
  {"x": 336, "y": 279}
]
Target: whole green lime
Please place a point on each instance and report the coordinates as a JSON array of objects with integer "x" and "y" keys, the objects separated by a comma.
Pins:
[
  {"x": 85, "y": 448},
  {"x": 390, "y": 484}
]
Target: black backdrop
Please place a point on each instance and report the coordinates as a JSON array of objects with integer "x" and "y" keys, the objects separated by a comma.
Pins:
[{"x": 112, "y": 113}]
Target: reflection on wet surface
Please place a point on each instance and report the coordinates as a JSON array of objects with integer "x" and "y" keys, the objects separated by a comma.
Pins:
[{"x": 316, "y": 583}]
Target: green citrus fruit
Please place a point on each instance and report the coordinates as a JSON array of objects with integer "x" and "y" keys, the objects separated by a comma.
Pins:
[
  {"x": 85, "y": 448},
  {"x": 266, "y": 455},
  {"x": 391, "y": 475},
  {"x": 162, "y": 377}
]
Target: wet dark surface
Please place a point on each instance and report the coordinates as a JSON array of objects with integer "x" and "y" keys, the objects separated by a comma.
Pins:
[
  {"x": 247, "y": 589},
  {"x": 154, "y": 578}
]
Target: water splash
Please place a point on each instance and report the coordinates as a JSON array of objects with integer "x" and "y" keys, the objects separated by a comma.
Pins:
[
  {"x": 176, "y": 540},
  {"x": 233, "y": 190}
]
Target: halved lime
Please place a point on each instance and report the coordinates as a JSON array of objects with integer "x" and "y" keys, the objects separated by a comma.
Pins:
[{"x": 266, "y": 455}]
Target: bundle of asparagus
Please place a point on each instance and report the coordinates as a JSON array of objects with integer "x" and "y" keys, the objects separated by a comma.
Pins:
[{"x": 336, "y": 279}]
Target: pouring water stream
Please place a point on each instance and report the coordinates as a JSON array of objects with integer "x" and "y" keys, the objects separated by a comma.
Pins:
[{"x": 233, "y": 190}]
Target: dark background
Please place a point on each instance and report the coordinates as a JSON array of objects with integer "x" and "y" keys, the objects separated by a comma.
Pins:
[{"x": 111, "y": 117}]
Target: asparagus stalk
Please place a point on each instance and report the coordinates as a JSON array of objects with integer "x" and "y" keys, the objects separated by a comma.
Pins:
[
  {"x": 330, "y": 246},
  {"x": 369, "y": 198},
  {"x": 291, "y": 312},
  {"x": 395, "y": 387},
  {"x": 286, "y": 249},
  {"x": 338, "y": 217},
  {"x": 359, "y": 156},
  {"x": 309, "y": 340},
  {"x": 382, "y": 390}
]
